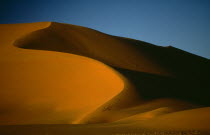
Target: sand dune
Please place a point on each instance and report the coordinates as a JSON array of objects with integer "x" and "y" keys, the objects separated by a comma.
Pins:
[
  {"x": 53, "y": 73},
  {"x": 127, "y": 56}
]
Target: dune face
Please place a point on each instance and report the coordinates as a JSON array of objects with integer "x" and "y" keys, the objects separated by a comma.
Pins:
[{"x": 53, "y": 73}]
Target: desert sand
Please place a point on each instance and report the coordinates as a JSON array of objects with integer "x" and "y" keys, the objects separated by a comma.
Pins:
[{"x": 65, "y": 79}]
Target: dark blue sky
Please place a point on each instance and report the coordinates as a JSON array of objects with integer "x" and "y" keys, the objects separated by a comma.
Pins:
[{"x": 184, "y": 24}]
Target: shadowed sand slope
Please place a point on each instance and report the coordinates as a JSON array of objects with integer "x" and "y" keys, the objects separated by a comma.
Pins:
[{"x": 55, "y": 73}]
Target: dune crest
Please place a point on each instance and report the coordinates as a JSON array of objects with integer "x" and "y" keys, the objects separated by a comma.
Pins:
[{"x": 114, "y": 51}]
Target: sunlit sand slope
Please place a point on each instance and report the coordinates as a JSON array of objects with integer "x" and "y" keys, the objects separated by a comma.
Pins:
[{"x": 49, "y": 87}]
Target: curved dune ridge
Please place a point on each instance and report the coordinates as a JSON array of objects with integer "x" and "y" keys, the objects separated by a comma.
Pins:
[{"x": 55, "y": 73}]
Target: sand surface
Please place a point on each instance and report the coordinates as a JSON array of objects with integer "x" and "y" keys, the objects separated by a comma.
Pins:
[{"x": 66, "y": 79}]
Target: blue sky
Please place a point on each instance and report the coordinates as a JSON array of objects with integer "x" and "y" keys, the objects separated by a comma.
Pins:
[{"x": 184, "y": 24}]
